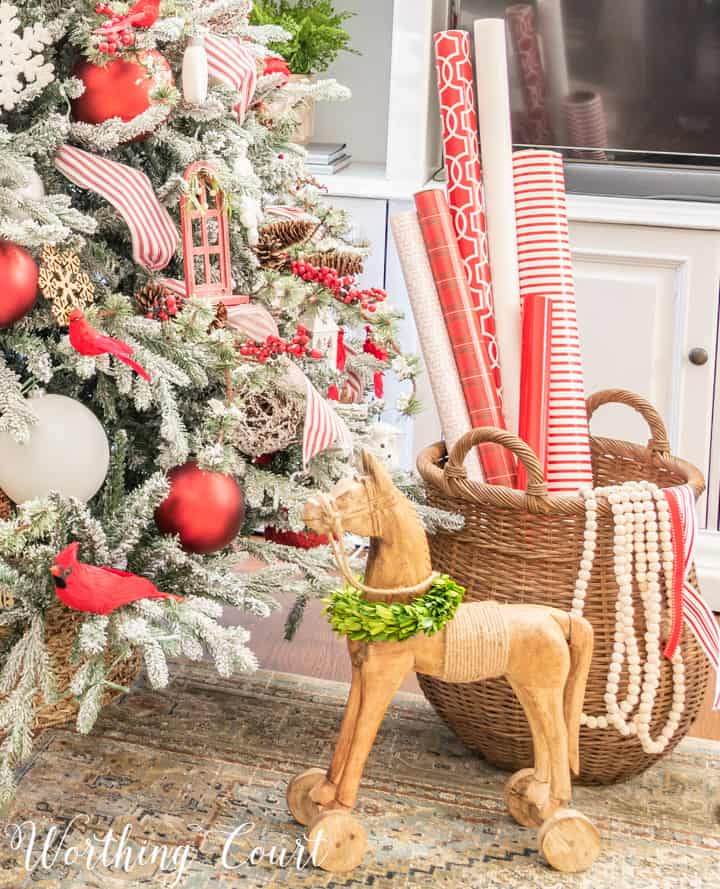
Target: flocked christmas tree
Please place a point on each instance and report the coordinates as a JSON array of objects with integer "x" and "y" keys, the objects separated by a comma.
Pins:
[{"x": 162, "y": 399}]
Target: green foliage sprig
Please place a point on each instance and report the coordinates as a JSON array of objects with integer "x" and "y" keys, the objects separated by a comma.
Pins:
[
  {"x": 350, "y": 614},
  {"x": 316, "y": 29}
]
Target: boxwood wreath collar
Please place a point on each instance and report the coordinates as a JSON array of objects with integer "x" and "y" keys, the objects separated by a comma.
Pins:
[{"x": 351, "y": 614}]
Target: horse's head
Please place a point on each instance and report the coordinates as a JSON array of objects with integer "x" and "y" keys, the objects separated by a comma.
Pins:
[{"x": 354, "y": 504}]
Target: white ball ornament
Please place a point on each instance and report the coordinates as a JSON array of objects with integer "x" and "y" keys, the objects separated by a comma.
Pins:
[{"x": 67, "y": 452}]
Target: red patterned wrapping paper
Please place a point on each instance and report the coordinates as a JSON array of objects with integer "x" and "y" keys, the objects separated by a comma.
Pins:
[
  {"x": 521, "y": 21},
  {"x": 535, "y": 378},
  {"x": 464, "y": 177},
  {"x": 545, "y": 266},
  {"x": 464, "y": 330}
]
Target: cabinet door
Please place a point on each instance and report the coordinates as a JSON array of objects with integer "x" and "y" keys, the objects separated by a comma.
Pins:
[{"x": 647, "y": 297}]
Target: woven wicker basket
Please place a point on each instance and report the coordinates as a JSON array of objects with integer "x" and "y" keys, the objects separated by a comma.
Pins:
[
  {"x": 526, "y": 547},
  {"x": 61, "y": 628}
]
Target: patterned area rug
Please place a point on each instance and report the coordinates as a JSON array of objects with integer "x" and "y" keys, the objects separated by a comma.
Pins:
[{"x": 181, "y": 773}]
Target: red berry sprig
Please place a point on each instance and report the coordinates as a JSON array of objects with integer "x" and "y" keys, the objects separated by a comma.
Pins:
[
  {"x": 342, "y": 287},
  {"x": 274, "y": 346}
]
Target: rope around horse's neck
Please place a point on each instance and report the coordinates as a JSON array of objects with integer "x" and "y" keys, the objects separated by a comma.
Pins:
[{"x": 418, "y": 589}]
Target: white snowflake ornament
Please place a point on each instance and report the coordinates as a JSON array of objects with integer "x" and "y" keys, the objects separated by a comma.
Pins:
[{"x": 23, "y": 71}]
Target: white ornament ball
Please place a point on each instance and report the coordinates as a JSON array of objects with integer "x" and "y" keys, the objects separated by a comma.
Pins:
[{"x": 67, "y": 452}]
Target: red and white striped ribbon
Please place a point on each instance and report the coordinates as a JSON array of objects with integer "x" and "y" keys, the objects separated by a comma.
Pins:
[
  {"x": 278, "y": 211},
  {"x": 323, "y": 426},
  {"x": 233, "y": 64},
  {"x": 250, "y": 319},
  {"x": 152, "y": 230},
  {"x": 688, "y": 604}
]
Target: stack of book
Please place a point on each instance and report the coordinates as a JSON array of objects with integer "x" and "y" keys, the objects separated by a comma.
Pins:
[{"x": 326, "y": 158}]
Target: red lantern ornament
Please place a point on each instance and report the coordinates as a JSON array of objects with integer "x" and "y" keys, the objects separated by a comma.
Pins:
[
  {"x": 206, "y": 509},
  {"x": 19, "y": 283},
  {"x": 121, "y": 88}
]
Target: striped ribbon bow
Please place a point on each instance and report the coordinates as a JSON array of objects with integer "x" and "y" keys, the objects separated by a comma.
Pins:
[
  {"x": 323, "y": 427},
  {"x": 230, "y": 62},
  {"x": 153, "y": 233},
  {"x": 688, "y": 604}
]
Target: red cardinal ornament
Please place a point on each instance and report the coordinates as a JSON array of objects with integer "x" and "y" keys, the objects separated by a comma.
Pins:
[
  {"x": 88, "y": 341},
  {"x": 98, "y": 590}
]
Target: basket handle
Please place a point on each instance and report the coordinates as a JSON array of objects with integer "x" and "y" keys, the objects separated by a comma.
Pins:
[
  {"x": 659, "y": 443},
  {"x": 536, "y": 488}
]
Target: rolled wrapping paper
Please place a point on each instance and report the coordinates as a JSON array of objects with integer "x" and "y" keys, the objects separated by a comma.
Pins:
[
  {"x": 464, "y": 332},
  {"x": 464, "y": 178},
  {"x": 496, "y": 144},
  {"x": 586, "y": 125},
  {"x": 521, "y": 21},
  {"x": 552, "y": 34},
  {"x": 546, "y": 269},
  {"x": 434, "y": 341},
  {"x": 535, "y": 378}
]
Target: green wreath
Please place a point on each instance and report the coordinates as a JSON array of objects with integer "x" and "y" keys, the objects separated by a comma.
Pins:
[{"x": 350, "y": 614}]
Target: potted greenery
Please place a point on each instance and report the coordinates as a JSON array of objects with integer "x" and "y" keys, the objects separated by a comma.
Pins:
[{"x": 317, "y": 37}]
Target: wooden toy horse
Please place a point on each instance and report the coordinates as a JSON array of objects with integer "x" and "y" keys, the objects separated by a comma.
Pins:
[{"x": 543, "y": 652}]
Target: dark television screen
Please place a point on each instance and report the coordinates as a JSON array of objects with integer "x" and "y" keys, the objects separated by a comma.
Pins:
[{"x": 622, "y": 80}]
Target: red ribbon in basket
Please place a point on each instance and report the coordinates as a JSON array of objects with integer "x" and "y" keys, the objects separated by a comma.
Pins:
[
  {"x": 688, "y": 604},
  {"x": 465, "y": 332},
  {"x": 535, "y": 379}
]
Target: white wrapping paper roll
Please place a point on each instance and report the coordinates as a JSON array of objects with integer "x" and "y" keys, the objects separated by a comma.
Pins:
[
  {"x": 552, "y": 33},
  {"x": 496, "y": 148},
  {"x": 434, "y": 341}
]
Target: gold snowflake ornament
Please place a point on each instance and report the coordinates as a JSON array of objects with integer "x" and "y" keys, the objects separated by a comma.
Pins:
[{"x": 62, "y": 282}]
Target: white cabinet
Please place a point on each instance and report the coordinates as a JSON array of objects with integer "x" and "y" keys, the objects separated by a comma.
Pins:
[{"x": 646, "y": 297}]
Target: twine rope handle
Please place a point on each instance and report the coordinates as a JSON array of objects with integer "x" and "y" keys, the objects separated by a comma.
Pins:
[
  {"x": 457, "y": 482},
  {"x": 332, "y": 515},
  {"x": 659, "y": 442}
]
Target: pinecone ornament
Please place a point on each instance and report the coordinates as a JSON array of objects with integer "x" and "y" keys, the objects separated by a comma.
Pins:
[
  {"x": 278, "y": 237},
  {"x": 220, "y": 320},
  {"x": 6, "y": 507},
  {"x": 344, "y": 262},
  {"x": 154, "y": 300}
]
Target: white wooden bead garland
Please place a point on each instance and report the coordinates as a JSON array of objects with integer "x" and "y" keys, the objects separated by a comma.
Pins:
[{"x": 642, "y": 539}]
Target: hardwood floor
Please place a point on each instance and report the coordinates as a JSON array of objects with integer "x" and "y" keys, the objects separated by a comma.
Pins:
[{"x": 315, "y": 651}]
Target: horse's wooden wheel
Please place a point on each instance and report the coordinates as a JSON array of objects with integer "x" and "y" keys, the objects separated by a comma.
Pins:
[
  {"x": 302, "y": 807},
  {"x": 339, "y": 839},
  {"x": 569, "y": 841},
  {"x": 528, "y": 800}
]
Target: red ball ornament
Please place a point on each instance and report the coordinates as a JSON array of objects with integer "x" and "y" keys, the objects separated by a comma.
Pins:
[
  {"x": 19, "y": 283},
  {"x": 121, "y": 88},
  {"x": 206, "y": 509}
]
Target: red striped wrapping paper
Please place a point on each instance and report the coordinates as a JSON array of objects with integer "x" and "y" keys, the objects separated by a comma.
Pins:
[
  {"x": 521, "y": 21},
  {"x": 464, "y": 177},
  {"x": 464, "y": 330},
  {"x": 535, "y": 378},
  {"x": 545, "y": 267}
]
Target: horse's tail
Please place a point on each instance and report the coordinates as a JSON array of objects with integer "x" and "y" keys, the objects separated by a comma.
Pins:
[{"x": 580, "y": 640}]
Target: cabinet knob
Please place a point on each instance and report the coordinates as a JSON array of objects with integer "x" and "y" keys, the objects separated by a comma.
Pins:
[{"x": 698, "y": 356}]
